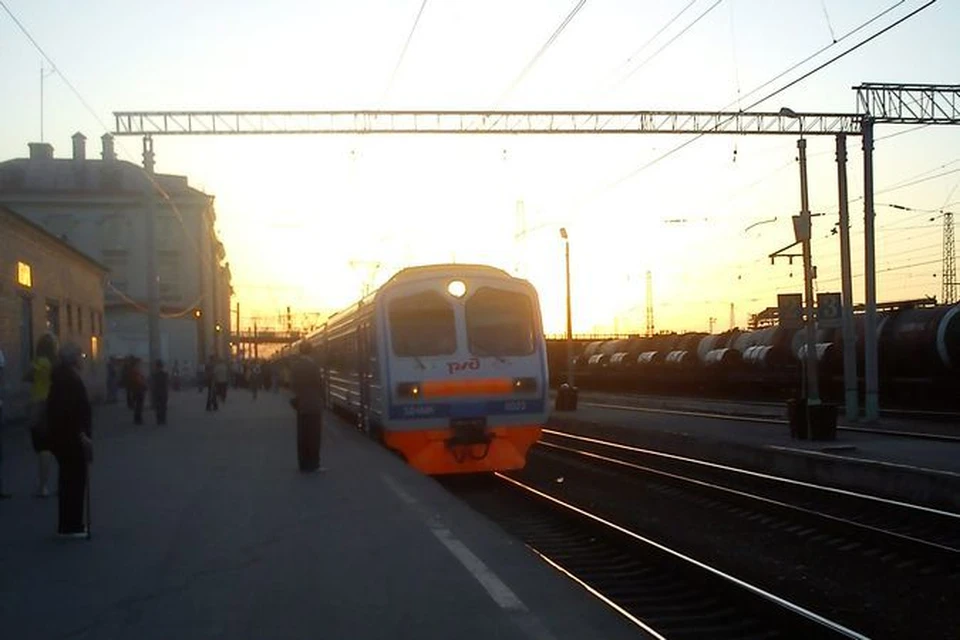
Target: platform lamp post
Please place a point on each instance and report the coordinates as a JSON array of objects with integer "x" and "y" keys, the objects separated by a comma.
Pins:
[
  {"x": 802, "y": 231},
  {"x": 567, "y": 393}
]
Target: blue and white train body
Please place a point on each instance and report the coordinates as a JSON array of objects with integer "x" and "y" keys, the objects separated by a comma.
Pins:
[{"x": 445, "y": 364}]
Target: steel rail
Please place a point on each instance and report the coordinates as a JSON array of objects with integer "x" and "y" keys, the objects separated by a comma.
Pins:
[
  {"x": 760, "y": 475},
  {"x": 771, "y": 598},
  {"x": 918, "y": 435},
  {"x": 770, "y": 502}
]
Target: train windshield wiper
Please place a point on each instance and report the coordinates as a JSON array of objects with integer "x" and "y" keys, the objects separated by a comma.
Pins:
[{"x": 478, "y": 350}]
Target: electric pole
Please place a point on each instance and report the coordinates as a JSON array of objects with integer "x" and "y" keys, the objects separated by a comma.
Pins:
[
  {"x": 949, "y": 261},
  {"x": 649, "y": 303}
]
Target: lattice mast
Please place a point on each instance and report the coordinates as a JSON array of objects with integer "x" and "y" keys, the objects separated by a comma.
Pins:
[
  {"x": 949, "y": 261},
  {"x": 649, "y": 303}
]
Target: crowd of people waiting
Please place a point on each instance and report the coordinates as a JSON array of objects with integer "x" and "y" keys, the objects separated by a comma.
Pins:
[{"x": 60, "y": 417}]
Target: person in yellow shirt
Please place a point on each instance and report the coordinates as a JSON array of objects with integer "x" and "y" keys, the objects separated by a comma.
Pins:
[{"x": 39, "y": 375}]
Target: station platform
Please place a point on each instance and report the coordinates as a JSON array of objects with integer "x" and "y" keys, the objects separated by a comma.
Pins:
[
  {"x": 204, "y": 528},
  {"x": 757, "y": 437}
]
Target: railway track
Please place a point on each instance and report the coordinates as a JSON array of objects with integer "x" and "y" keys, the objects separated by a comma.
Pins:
[
  {"x": 665, "y": 593},
  {"x": 937, "y": 426},
  {"x": 918, "y": 536}
]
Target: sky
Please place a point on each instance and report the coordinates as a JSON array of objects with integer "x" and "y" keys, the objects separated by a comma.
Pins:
[{"x": 310, "y": 221}]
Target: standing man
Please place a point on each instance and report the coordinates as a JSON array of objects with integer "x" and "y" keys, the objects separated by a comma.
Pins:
[
  {"x": 221, "y": 375},
  {"x": 3, "y": 364},
  {"x": 160, "y": 392},
  {"x": 307, "y": 384},
  {"x": 70, "y": 422},
  {"x": 138, "y": 388}
]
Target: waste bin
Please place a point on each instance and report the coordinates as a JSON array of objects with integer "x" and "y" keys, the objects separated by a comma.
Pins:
[
  {"x": 823, "y": 422},
  {"x": 797, "y": 417},
  {"x": 566, "y": 398}
]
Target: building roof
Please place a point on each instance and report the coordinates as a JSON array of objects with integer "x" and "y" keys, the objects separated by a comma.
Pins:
[
  {"x": 69, "y": 176},
  {"x": 4, "y": 210}
]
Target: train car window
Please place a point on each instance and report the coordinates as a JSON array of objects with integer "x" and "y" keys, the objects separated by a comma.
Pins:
[
  {"x": 499, "y": 323},
  {"x": 422, "y": 325}
]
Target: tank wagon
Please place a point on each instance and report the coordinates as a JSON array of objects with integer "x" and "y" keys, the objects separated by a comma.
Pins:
[{"x": 918, "y": 360}]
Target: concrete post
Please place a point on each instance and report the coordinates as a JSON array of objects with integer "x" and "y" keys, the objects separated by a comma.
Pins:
[
  {"x": 849, "y": 337},
  {"x": 870, "y": 373}
]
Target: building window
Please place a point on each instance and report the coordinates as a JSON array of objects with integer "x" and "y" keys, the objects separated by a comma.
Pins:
[
  {"x": 94, "y": 347},
  {"x": 69, "y": 318},
  {"x": 53, "y": 318},
  {"x": 24, "y": 275},
  {"x": 79, "y": 320}
]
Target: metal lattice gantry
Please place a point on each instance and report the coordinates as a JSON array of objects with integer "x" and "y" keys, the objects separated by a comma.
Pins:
[
  {"x": 909, "y": 103},
  {"x": 151, "y": 123}
]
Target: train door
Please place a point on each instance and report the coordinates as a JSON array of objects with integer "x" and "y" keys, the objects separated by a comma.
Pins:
[{"x": 364, "y": 374}]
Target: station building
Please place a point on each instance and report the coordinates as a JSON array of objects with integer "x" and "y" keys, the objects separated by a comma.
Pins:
[
  {"x": 46, "y": 285},
  {"x": 100, "y": 207}
]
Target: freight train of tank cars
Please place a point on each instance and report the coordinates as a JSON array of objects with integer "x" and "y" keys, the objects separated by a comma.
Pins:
[
  {"x": 918, "y": 349},
  {"x": 444, "y": 364}
]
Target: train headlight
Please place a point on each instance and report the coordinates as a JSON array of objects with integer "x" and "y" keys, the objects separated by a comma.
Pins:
[
  {"x": 409, "y": 390},
  {"x": 524, "y": 385},
  {"x": 457, "y": 288}
]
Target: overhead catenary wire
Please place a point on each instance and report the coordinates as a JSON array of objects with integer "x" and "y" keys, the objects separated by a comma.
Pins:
[
  {"x": 194, "y": 242},
  {"x": 780, "y": 89},
  {"x": 543, "y": 49},
  {"x": 703, "y": 14},
  {"x": 403, "y": 52}
]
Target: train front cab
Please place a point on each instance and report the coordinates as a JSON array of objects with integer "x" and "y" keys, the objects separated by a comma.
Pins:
[{"x": 466, "y": 377}]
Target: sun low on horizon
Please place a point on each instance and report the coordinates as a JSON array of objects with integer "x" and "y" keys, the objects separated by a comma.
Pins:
[{"x": 310, "y": 223}]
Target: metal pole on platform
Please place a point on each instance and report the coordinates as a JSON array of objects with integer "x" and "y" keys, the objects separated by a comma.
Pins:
[
  {"x": 870, "y": 373},
  {"x": 813, "y": 388},
  {"x": 153, "y": 284},
  {"x": 849, "y": 337},
  {"x": 566, "y": 242}
]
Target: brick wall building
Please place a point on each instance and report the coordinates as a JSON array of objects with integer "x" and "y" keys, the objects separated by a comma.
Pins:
[
  {"x": 100, "y": 206},
  {"x": 46, "y": 285}
]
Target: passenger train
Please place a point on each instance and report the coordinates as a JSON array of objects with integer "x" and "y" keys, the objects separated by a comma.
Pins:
[{"x": 445, "y": 364}]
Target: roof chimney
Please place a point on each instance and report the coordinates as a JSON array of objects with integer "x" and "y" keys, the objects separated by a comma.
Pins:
[
  {"x": 41, "y": 151},
  {"x": 108, "y": 153},
  {"x": 79, "y": 146}
]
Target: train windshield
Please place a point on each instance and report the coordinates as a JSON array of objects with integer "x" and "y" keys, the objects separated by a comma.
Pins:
[
  {"x": 500, "y": 323},
  {"x": 422, "y": 325}
]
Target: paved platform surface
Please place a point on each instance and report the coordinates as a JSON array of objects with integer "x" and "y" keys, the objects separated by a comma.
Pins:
[
  {"x": 758, "y": 437},
  {"x": 204, "y": 529}
]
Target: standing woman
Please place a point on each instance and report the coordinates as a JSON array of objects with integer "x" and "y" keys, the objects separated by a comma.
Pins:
[
  {"x": 69, "y": 418},
  {"x": 39, "y": 376}
]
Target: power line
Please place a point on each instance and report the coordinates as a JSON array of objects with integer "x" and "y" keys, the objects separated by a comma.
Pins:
[
  {"x": 820, "y": 67},
  {"x": 676, "y": 37},
  {"x": 546, "y": 45},
  {"x": 403, "y": 52},
  {"x": 842, "y": 54}
]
